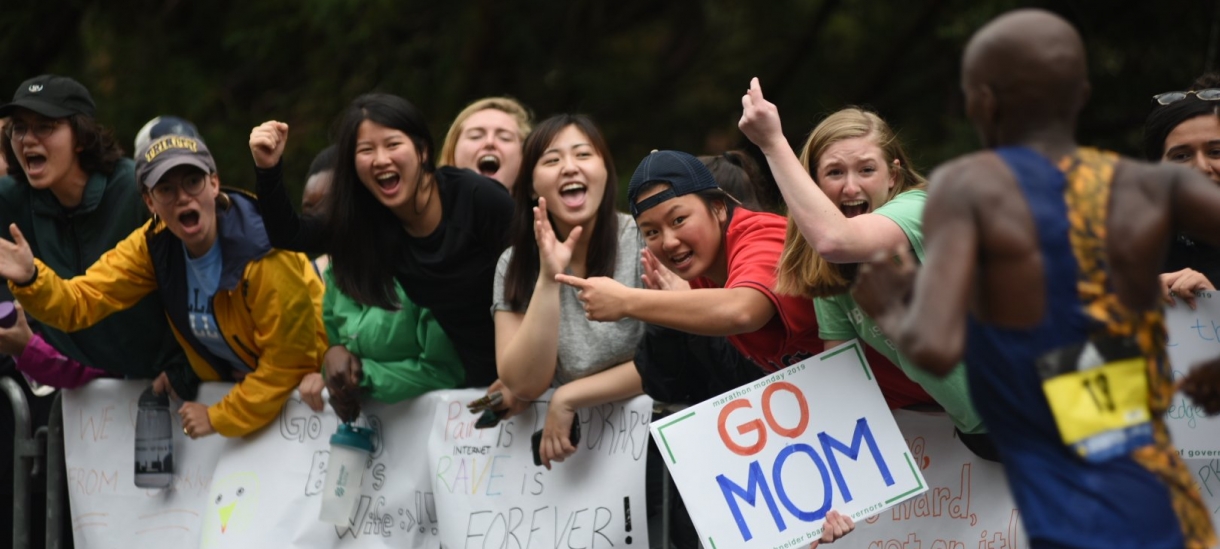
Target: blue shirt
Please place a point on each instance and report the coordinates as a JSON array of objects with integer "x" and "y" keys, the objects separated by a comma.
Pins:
[{"x": 203, "y": 278}]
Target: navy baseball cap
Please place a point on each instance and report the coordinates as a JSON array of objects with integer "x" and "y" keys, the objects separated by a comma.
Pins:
[
  {"x": 162, "y": 126},
  {"x": 169, "y": 152},
  {"x": 51, "y": 96},
  {"x": 684, "y": 173}
]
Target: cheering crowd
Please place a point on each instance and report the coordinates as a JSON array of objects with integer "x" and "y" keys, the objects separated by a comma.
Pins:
[{"x": 504, "y": 261}]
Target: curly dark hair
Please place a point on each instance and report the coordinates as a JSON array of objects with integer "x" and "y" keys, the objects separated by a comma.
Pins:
[{"x": 99, "y": 150}]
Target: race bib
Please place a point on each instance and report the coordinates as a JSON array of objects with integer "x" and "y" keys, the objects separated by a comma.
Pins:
[{"x": 1098, "y": 393}]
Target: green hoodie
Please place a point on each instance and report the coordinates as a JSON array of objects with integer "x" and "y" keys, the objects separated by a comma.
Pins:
[
  {"x": 135, "y": 343},
  {"x": 404, "y": 353}
]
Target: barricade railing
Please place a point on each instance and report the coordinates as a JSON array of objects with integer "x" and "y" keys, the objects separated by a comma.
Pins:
[
  {"x": 26, "y": 452},
  {"x": 663, "y": 409},
  {"x": 57, "y": 485},
  {"x": 36, "y": 452}
]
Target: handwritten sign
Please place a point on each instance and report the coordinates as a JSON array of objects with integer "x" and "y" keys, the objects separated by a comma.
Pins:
[
  {"x": 1194, "y": 337},
  {"x": 279, "y": 473},
  {"x": 265, "y": 490},
  {"x": 261, "y": 491},
  {"x": 967, "y": 504},
  {"x": 760, "y": 466},
  {"x": 108, "y": 510},
  {"x": 489, "y": 493}
]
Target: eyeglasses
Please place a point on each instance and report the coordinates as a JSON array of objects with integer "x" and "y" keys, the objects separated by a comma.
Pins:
[
  {"x": 17, "y": 130},
  {"x": 166, "y": 193},
  {"x": 1210, "y": 94}
]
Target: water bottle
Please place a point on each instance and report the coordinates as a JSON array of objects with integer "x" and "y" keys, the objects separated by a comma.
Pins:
[
  {"x": 8, "y": 319},
  {"x": 349, "y": 452},
  {"x": 154, "y": 441},
  {"x": 8, "y": 314}
]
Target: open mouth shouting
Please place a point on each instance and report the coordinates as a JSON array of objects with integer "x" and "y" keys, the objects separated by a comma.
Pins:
[
  {"x": 852, "y": 208},
  {"x": 488, "y": 165},
  {"x": 388, "y": 182},
  {"x": 189, "y": 220},
  {"x": 34, "y": 164},
  {"x": 573, "y": 194}
]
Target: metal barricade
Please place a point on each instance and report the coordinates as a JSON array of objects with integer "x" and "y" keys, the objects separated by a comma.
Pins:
[
  {"x": 26, "y": 454},
  {"x": 57, "y": 485},
  {"x": 661, "y": 409}
]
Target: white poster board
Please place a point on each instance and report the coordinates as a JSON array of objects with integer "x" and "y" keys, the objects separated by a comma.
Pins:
[
  {"x": 108, "y": 510},
  {"x": 275, "y": 478},
  {"x": 489, "y": 493},
  {"x": 761, "y": 465},
  {"x": 1194, "y": 336},
  {"x": 967, "y": 504},
  {"x": 265, "y": 490}
]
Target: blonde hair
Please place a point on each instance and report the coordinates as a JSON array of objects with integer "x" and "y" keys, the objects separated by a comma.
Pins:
[
  {"x": 507, "y": 105},
  {"x": 802, "y": 271}
]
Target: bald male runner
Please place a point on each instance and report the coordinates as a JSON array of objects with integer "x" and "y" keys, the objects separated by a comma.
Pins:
[{"x": 1041, "y": 271}]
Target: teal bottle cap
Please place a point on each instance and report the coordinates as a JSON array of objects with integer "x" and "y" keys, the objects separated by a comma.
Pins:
[{"x": 360, "y": 438}]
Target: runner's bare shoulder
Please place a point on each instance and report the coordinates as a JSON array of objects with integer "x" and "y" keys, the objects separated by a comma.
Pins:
[{"x": 979, "y": 178}]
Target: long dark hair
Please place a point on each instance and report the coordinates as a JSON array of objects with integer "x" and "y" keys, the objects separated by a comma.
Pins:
[
  {"x": 99, "y": 150},
  {"x": 603, "y": 243},
  {"x": 366, "y": 238}
]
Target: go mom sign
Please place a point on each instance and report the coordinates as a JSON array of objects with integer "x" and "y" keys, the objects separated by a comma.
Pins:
[{"x": 760, "y": 466}]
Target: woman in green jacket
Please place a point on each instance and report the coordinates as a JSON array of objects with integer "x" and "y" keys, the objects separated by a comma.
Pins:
[{"x": 385, "y": 354}]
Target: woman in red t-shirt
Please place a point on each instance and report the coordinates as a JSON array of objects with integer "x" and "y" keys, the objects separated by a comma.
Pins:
[{"x": 729, "y": 255}]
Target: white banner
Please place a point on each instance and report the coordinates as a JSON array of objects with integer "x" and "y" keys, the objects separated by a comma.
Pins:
[
  {"x": 489, "y": 493},
  {"x": 1194, "y": 336},
  {"x": 761, "y": 465},
  {"x": 967, "y": 504},
  {"x": 108, "y": 510},
  {"x": 265, "y": 490}
]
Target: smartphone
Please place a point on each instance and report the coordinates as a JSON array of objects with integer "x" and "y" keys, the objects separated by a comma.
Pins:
[
  {"x": 573, "y": 437},
  {"x": 490, "y": 418}
]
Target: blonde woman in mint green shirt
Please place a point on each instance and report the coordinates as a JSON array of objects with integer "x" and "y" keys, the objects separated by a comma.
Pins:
[
  {"x": 840, "y": 319},
  {"x": 852, "y": 194}
]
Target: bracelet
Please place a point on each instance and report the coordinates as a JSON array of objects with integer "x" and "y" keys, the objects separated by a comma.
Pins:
[{"x": 30, "y": 281}]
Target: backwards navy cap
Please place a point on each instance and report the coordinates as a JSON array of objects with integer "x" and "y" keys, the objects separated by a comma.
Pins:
[{"x": 684, "y": 173}]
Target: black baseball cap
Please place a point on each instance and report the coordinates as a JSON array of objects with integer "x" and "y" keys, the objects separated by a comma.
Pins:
[
  {"x": 51, "y": 96},
  {"x": 684, "y": 173}
]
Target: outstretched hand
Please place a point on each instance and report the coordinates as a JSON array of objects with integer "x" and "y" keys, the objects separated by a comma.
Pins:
[
  {"x": 553, "y": 256},
  {"x": 267, "y": 142},
  {"x": 657, "y": 276},
  {"x": 760, "y": 118},
  {"x": 884, "y": 285},
  {"x": 16, "y": 259},
  {"x": 604, "y": 298}
]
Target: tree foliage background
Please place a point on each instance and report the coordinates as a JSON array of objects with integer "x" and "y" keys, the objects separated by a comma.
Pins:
[{"x": 654, "y": 74}]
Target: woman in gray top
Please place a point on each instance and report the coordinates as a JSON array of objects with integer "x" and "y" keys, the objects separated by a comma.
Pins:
[{"x": 565, "y": 222}]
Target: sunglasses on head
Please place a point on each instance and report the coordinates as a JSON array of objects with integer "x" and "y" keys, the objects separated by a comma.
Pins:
[{"x": 1210, "y": 94}]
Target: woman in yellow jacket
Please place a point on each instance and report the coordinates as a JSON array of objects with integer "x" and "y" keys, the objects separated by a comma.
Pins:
[{"x": 242, "y": 311}]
